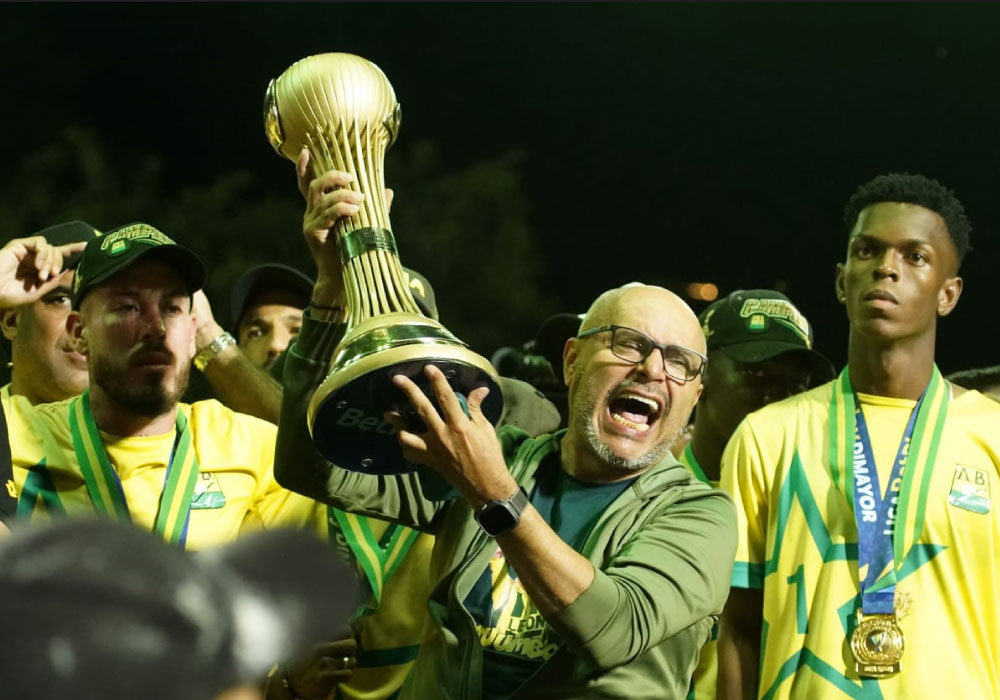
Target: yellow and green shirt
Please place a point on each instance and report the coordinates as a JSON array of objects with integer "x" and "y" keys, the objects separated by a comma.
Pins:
[
  {"x": 798, "y": 543},
  {"x": 704, "y": 680},
  {"x": 395, "y": 562},
  {"x": 235, "y": 491}
]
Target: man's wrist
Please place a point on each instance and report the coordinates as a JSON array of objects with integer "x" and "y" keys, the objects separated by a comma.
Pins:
[
  {"x": 208, "y": 353},
  {"x": 203, "y": 335}
]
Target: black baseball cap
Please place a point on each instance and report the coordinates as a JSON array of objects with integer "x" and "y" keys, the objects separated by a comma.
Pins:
[
  {"x": 753, "y": 325},
  {"x": 423, "y": 293},
  {"x": 100, "y": 610},
  {"x": 124, "y": 246},
  {"x": 69, "y": 232},
  {"x": 267, "y": 277}
]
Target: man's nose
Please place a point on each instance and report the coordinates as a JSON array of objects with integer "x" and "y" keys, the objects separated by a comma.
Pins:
[
  {"x": 652, "y": 366},
  {"x": 887, "y": 265},
  {"x": 277, "y": 341},
  {"x": 154, "y": 323}
]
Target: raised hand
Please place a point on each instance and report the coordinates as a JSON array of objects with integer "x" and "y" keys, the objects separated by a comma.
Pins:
[
  {"x": 30, "y": 268},
  {"x": 462, "y": 448}
]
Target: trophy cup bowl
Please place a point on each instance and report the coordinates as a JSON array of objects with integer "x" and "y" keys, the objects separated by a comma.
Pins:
[{"x": 344, "y": 110}]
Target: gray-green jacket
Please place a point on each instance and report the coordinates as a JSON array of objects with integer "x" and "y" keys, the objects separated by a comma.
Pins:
[{"x": 663, "y": 552}]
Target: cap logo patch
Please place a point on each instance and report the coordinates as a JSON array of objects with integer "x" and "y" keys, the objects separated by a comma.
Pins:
[
  {"x": 757, "y": 311},
  {"x": 118, "y": 242}
]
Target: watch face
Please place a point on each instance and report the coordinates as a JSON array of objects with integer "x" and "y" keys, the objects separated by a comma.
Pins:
[{"x": 496, "y": 519}]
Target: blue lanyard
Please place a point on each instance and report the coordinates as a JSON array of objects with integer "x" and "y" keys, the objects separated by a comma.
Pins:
[{"x": 875, "y": 515}]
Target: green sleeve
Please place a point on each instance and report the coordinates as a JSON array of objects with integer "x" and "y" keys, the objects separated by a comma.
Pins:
[
  {"x": 299, "y": 467},
  {"x": 684, "y": 553}
]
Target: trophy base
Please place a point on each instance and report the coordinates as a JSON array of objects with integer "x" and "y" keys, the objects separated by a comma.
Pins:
[{"x": 346, "y": 411}]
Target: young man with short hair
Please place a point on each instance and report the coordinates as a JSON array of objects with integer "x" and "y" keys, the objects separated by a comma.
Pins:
[{"x": 869, "y": 550}]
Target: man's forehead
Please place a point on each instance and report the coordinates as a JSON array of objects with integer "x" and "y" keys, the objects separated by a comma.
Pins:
[
  {"x": 662, "y": 316},
  {"x": 172, "y": 285},
  {"x": 883, "y": 218},
  {"x": 269, "y": 313}
]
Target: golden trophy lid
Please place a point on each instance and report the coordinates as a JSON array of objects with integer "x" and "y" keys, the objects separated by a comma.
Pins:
[{"x": 336, "y": 93}]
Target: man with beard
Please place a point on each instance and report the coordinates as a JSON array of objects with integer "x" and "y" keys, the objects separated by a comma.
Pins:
[
  {"x": 582, "y": 563},
  {"x": 126, "y": 448}
]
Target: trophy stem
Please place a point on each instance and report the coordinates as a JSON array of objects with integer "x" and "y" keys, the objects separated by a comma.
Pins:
[
  {"x": 373, "y": 276},
  {"x": 376, "y": 285}
]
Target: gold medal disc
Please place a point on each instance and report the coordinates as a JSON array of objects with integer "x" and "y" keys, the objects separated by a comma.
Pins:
[{"x": 877, "y": 645}]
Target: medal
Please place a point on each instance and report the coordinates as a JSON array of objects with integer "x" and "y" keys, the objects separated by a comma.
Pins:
[
  {"x": 877, "y": 645},
  {"x": 888, "y": 523}
]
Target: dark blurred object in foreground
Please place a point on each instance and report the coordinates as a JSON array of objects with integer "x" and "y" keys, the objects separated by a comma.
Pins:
[
  {"x": 93, "y": 610},
  {"x": 985, "y": 380}
]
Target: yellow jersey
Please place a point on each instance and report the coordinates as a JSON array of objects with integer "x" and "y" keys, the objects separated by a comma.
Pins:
[
  {"x": 798, "y": 542},
  {"x": 235, "y": 490},
  {"x": 390, "y": 630},
  {"x": 703, "y": 681}
]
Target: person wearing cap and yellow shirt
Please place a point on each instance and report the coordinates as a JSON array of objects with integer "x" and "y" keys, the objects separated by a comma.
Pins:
[
  {"x": 127, "y": 448},
  {"x": 869, "y": 548},
  {"x": 759, "y": 351}
]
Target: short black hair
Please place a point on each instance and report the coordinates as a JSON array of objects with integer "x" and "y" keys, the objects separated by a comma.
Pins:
[{"x": 913, "y": 189}]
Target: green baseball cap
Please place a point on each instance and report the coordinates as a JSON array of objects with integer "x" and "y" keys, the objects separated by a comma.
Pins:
[
  {"x": 120, "y": 248},
  {"x": 753, "y": 325}
]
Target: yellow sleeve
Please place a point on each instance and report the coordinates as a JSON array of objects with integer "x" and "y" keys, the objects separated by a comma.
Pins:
[
  {"x": 274, "y": 506},
  {"x": 743, "y": 477}
]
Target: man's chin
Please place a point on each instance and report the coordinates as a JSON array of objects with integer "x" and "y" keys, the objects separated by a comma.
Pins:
[{"x": 626, "y": 453}]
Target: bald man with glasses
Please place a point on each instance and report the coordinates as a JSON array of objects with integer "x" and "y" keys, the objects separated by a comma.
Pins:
[{"x": 578, "y": 564}]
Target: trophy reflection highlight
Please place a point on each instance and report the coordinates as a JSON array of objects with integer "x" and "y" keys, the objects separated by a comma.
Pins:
[{"x": 344, "y": 110}]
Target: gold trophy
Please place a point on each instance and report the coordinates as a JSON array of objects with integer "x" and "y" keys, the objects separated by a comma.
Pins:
[{"x": 344, "y": 110}]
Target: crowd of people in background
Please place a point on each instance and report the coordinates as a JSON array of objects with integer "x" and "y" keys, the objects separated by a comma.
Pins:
[{"x": 670, "y": 506}]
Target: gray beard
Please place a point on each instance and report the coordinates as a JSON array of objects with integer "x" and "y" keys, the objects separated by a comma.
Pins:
[
  {"x": 603, "y": 452},
  {"x": 147, "y": 400}
]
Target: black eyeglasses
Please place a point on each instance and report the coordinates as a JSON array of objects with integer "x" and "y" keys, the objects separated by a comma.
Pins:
[{"x": 679, "y": 362}]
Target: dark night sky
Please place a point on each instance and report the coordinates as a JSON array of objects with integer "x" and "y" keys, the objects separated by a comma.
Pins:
[{"x": 664, "y": 143}]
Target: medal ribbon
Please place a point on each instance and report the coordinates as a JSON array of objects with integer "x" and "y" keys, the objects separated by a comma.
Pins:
[
  {"x": 105, "y": 488},
  {"x": 887, "y": 526},
  {"x": 378, "y": 559}
]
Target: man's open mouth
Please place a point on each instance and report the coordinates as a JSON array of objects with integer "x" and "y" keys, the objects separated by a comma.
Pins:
[{"x": 634, "y": 411}]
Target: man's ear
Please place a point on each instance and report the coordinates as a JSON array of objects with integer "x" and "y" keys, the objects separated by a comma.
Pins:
[
  {"x": 704, "y": 382},
  {"x": 838, "y": 284},
  {"x": 193, "y": 349},
  {"x": 76, "y": 332},
  {"x": 570, "y": 355},
  {"x": 948, "y": 295},
  {"x": 9, "y": 317},
  {"x": 697, "y": 397}
]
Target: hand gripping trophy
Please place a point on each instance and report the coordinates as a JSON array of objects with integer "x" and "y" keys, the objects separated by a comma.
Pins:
[{"x": 343, "y": 109}]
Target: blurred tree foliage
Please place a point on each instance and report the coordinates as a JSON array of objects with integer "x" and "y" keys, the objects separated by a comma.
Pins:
[{"x": 465, "y": 229}]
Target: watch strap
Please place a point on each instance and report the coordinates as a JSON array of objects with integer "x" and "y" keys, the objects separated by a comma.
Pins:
[
  {"x": 512, "y": 507},
  {"x": 208, "y": 353}
]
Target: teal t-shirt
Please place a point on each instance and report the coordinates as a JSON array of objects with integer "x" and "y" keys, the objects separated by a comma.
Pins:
[{"x": 515, "y": 638}]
